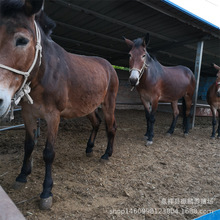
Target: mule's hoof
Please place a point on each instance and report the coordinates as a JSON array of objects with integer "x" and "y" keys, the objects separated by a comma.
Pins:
[
  {"x": 18, "y": 185},
  {"x": 103, "y": 161},
  {"x": 46, "y": 203},
  {"x": 90, "y": 154},
  {"x": 148, "y": 143},
  {"x": 218, "y": 137},
  {"x": 145, "y": 137},
  {"x": 104, "y": 158},
  {"x": 168, "y": 134},
  {"x": 185, "y": 135},
  {"x": 213, "y": 137}
]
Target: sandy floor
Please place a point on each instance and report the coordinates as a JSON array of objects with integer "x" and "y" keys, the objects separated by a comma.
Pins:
[{"x": 175, "y": 178}]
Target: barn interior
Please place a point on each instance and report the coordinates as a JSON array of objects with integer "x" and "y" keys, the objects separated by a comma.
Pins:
[{"x": 97, "y": 28}]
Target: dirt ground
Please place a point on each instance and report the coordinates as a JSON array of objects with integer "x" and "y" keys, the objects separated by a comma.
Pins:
[{"x": 175, "y": 178}]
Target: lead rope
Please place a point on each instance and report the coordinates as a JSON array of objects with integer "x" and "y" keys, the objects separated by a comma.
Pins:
[{"x": 25, "y": 88}]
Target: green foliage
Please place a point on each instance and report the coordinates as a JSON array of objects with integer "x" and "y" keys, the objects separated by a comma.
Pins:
[{"x": 120, "y": 68}]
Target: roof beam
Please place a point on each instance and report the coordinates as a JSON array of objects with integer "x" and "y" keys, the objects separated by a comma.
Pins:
[
  {"x": 87, "y": 44},
  {"x": 112, "y": 20},
  {"x": 181, "y": 57},
  {"x": 96, "y": 34},
  {"x": 185, "y": 43}
]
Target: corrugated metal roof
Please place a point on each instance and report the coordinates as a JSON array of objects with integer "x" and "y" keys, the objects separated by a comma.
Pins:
[{"x": 96, "y": 27}]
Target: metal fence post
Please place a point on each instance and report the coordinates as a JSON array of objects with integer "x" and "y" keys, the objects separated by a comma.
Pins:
[{"x": 197, "y": 70}]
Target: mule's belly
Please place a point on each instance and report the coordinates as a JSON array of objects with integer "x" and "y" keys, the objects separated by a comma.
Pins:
[
  {"x": 216, "y": 104},
  {"x": 71, "y": 112},
  {"x": 83, "y": 105}
]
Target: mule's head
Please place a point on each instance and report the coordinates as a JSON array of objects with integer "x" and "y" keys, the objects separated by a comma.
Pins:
[
  {"x": 137, "y": 58},
  {"x": 17, "y": 45},
  {"x": 218, "y": 79}
]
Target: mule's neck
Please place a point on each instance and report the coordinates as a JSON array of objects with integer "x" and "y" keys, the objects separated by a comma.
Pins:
[{"x": 152, "y": 72}]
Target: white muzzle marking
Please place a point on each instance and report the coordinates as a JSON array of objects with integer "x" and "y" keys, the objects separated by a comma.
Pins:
[
  {"x": 134, "y": 77},
  {"x": 5, "y": 102}
]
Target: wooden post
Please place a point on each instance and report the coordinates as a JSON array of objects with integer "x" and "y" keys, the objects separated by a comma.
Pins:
[{"x": 197, "y": 70}]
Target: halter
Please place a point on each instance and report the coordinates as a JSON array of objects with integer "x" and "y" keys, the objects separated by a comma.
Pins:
[
  {"x": 217, "y": 83},
  {"x": 25, "y": 87},
  {"x": 140, "y": 71}
]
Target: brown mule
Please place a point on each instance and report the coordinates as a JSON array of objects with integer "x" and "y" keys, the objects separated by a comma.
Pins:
[
  {"x": 213, "y": 99},
  {"x": 55, "y": 83},
  {"x": 155, "y": 82}
]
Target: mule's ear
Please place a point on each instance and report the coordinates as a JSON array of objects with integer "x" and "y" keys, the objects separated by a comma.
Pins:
[
  {"x": 129, "y": 42},
  {"x": 32, "y": 6},
  {"x": 146, "y": 40},
  {"x": 216, "y": 67}
]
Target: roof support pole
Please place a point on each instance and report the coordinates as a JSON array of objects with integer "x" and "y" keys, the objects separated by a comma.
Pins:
[{"x": 197, "y": 70}]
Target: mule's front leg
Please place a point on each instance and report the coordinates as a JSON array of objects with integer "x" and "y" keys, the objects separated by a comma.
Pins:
[
  {"x": 147, "y": 116},
  {"x": 214, "y": 122},
  {"x": 48, "y": 156},
  {"x": 27, "y": 162},
  {"x": 151, "y": 119},
  {"x": 30, "y": 140},
  {"x": 151, "y": 130}
]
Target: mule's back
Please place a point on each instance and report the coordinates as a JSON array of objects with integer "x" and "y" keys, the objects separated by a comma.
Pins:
[{"x": 90, "y": 80}]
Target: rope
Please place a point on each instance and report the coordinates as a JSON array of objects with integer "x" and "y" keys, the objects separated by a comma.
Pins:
[{"x": 141, "y": 72}]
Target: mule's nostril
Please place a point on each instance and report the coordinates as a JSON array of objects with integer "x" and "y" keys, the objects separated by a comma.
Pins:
[
  {"x": 133, "y": 81},
  {"x": 1, "y": 102}
]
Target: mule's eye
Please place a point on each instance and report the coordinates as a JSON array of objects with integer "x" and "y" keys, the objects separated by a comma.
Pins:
[
  {"x": 144, "y": 56},
  {"x": 21, "y": 41}
]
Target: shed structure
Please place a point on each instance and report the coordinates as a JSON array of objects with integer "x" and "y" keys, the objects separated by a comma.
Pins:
[{"x": 97, "y": 27}]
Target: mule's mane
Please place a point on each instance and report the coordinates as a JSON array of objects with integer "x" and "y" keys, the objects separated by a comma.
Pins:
[
  {"x": 150, "y": 59},
  {"x": 10, "y": 7},
  {"x": 138, "y": 42},
  {"x": 46, "y": 23}
]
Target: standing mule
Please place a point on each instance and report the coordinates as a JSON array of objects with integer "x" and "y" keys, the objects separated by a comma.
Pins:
[
  {"x": 213, "y": 99},
  {"x": 155, "y": 82},
  {"x": 62, "y": 84}
]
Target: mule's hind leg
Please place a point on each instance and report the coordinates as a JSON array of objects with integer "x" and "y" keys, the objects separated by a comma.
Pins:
[
  {"x": 214, "y": 121},
  {"x": 108, "y": 110},
  {"x": 96, "y": 121},
  {"x": 30, "y": 140},
  {"x": 187, "y": 103},
  {"x": 218, "y": 124},
  {"x": 175, "y": 117}
]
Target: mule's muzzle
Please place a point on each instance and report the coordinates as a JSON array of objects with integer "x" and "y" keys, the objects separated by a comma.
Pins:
[
  {"x": 133, "y": 81},
  {"x": 134, "y": 78},
  {"x": 5, "y": 103}
]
